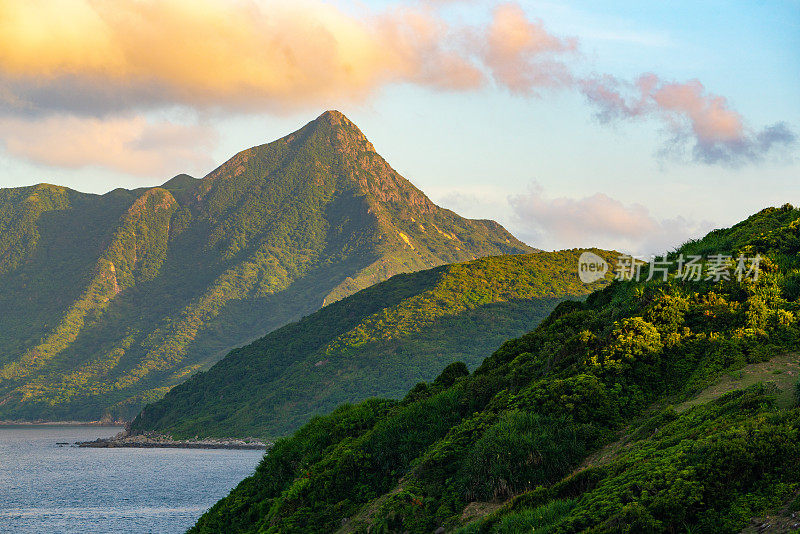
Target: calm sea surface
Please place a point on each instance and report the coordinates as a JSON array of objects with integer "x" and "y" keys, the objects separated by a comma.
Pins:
[{"x": 59, "y": 489}]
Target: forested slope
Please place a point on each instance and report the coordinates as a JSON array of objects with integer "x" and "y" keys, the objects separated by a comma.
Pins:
[
  {"x": 513, "y": 435},
  {"x": 378, "y": 342}
]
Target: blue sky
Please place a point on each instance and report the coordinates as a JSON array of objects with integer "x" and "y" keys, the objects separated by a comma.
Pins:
[{"x": 535, "y": 157}]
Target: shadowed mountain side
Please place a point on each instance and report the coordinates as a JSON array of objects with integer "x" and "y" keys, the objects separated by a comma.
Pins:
[{"x": 378, "y": 342}]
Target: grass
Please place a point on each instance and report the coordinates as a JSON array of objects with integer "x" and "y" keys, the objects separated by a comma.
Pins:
[{"x": 782, "y": 370}]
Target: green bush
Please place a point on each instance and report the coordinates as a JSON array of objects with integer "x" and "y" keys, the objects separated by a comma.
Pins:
[
  {"x": 797, "y": 393},
  {"x": 539, "y": 520},
  {"x": 520, "y": 451}
]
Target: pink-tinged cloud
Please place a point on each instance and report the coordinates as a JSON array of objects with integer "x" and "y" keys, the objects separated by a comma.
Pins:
[
  {"x": 522, "y": 55},
  {"x": 710, "y": 117},
  {"x": 706, "y": 121},
  {"x": 597, "y": 220},
  {"x": 129, "y": 145},
  {"x": 431, "y": 49}
]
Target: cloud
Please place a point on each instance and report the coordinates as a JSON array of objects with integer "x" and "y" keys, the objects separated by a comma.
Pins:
[
  {"x": 76, "y": 74},
  {"x": 68, "y": 55},
  {"x": 598, "y": 220},
  {"x": 114, "y": 59},
  {"x": 433, "y": 53},
  {"x": 522, "y": 55},
  {"x": 131, "y": 145},
  {"x": 100, "y": 56},
  {"x": 695, "y": 117}
]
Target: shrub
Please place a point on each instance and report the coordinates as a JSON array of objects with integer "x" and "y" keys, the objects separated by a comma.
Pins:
[
  {"x": 797, "y": 393},
  {"x": 520, "y": 451},
  {"x": 450, "y": 374},
  {"x": 538, "y": 519}
]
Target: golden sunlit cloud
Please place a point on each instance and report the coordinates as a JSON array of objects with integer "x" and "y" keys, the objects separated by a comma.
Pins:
[
  {"x": 235, "y": 54},
  {"x": 116, "y": 58}
]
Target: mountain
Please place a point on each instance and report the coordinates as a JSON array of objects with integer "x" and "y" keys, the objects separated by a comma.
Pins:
[
  {"x": 106, "y": 302},
  {"x": 378, "y": 342},
  {"x": 653, "y": 406}
]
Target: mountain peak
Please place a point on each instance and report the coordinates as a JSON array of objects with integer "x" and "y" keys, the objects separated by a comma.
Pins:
[
  {"x": 199, "y": 266},
  {"x": 335, "y": 118},
  {"x": 341, "y": 131},
  {"x": 362, "y": 164},
  {"x": 331, "y": 155},
  {"x": 335, "y": 124},
  {"x": 328, "y": 149}
]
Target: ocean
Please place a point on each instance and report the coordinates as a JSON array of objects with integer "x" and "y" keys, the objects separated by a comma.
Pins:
[{"x": 51, "y": 488}]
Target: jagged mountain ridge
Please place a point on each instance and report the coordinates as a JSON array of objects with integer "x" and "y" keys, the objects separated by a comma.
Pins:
[{"x": 109, "y": 300}]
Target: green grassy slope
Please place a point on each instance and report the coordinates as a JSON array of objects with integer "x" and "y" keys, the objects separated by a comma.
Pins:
[
  {"x": 512, "y": 436},
  {"x": 378, "y": 342},
  {"x": 108, "y": 301}
]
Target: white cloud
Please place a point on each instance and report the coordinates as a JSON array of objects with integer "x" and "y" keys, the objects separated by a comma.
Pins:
[
  {"x": 598, "y": 220},
  {"x": 131, "y": 145}
]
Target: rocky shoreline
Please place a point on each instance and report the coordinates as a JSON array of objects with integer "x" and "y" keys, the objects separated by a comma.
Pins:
[
  {"x": 154, "y": 440},
  {"x": 44, "y": 422}
]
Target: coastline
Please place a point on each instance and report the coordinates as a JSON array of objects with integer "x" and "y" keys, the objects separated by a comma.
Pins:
[
  {"x": 149, "y": 440},
  {"x": 63, "y": 423},
  {"x": 159, "y": 441}
]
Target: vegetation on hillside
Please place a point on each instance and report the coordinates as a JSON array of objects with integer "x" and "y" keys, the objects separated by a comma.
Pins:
[
  {"x": 378, "y": 342},
  {"x": 108, "y": 301},
  {"x": 514, "y": 435}
]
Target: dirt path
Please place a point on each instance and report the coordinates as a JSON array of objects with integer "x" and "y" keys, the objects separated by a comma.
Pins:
[{"x": 783, "y": 371}]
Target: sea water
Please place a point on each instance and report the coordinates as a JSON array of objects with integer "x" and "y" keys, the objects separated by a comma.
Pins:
[{"x": 50, "y": 488}]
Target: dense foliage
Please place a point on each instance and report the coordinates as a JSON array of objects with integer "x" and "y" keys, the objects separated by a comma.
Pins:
[
  {"x": 378, "y": 342},
  {"x": 710, "y": 469},
  {"x": 529, "y": 439},
  {"x": 108, "y": 301}
]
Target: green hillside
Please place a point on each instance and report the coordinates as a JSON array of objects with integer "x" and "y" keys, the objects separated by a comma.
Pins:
[
  {"x": 107, "y": 301},
  {"x": 570, "y": 427},
  {"x": 378, "y": 342}
]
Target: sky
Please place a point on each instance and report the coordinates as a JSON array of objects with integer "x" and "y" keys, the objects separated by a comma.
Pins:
[{"x": 627, "y": 125}]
